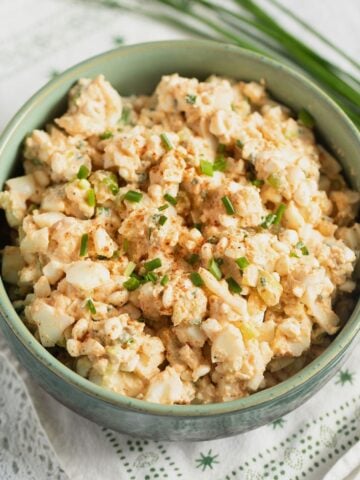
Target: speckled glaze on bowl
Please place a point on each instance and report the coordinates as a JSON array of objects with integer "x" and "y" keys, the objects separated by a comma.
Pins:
[{"x": 134, "y": 70}]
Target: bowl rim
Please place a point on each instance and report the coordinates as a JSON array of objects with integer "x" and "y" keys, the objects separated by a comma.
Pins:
[{"x": 335, "y": 350}]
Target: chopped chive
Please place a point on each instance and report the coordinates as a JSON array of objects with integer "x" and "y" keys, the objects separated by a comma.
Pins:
[
  {"x": 269, "y": 220},
  {"x": 294, "y": 255},
  {"x": 131, "y": 284},
  {"x": 116, "y": 254},
  {"x": 132, "y": 196},
  {"x": 220, "y": 164},
  {"x": 169, "y": 198},
  {"x": 239, "y": 143},
  {"x": 125, "y": 115},
  {"x": 229, "y": 207},
  {"x": 215, "y": 269},
  {"x": 162, "y": 219},
  {"x": 138, "y": 277},
  {"x": 274, "y": 180},
  {"x": 242, "y": 262},
  {"x": 306, "y": 119},
  {"x": 207, "y": 168},
  {"x": 90, "y": 197},
  {"x": 198, "y": 226},
  {"x": 303, "y": 248},
  {"x": 106, "y": 135},
  {"x": 279, "y": 213},
  {"x": 221, "y": 148},
  {"x": 129, "y": 269},
  {"x": 151, "y": 277},
  {"x": 165, "y": 280},
  {"x": 163, "y": 207},
  {"x": 152, "y": 264},
  {"x": 257, "y": 182},
  {"x": 191, "y": 99},
  {"x": 125, "y": 245},
  {"x": 114, "y": 189},
  {"x": 196, "y": 279},
  {"x": 234, "y": 287},
  {"x": 90, "y": 305},
  {"x": 193, "y": 258},
  {"x": 112, "y": 183},
  {"x": 103, "y": 211},
  {"x": 166, "y": 142},
  {"x": 84, "y": 245},
  {"x": 83, "y": 172}
]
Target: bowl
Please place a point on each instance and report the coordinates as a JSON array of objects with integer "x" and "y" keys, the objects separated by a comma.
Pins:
[{"x": 137, "y": 69}]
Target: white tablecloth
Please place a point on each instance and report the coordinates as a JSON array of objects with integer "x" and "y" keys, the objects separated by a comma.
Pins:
[{"x": 40, "y": 439}]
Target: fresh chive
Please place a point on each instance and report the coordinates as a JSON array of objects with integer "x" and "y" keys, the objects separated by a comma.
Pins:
[
  {"x": 306, "y": 119},
  {"x": 217, "y": 18},
  {"x": 239, "y": 144},
  {"x": 125, "y": 245},
  {"x": 193, "y": 258},
  {"x": 90, "y": 197},
  {"x": 152, "y": 264},
  {"x": 162, "y": 219},
  {"x": 294, "y": 255},
  {"x": 129, "y": 269},
  {"x": 220, "y": 164},
  {"x": 165, "y": 280},
  {"x": 229, "y": 207},
  {"x": 191, "y": 99},
  {"x": 169, "y": 198},
  {"x": 125, "y": 115},
  {"x": 242, "y": 262},
  {"x": 207, "y": 168},
  {"x": 106, "y": 135},
  {"x": 234, "y": 287},
  {"x": 83, "y": 172},
  {"x": 132, "y": 196},
  {"x": 215, "y": 269},
  {"x": 163, "y": 207},
  {"x": 279, "y": 213},
  {"x": 301, "y": 246},
  {"x": 131, "y": 284},
  {"x": 166, "y": 142},
  {"x": 116, "y": 254},
  {"x": 90, "y": 305},
  {"x": 150, "y": 277},
  {"x": 198, "y": 226},
  {"x": 196, "y": 279},
  {"x": 221, "y": 148},
  {"x": 84, "y": 245}
]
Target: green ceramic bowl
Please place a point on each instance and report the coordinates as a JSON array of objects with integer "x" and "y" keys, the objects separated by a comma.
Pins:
[{"x": 134, "y": 70}]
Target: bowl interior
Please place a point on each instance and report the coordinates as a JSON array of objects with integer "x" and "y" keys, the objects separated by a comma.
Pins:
[{"x": 136, "y": 70}]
